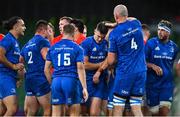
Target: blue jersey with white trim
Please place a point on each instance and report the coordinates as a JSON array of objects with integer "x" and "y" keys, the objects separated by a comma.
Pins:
[
  {"x": 96, "y": 52},
  {"x": 64, "y": 56},
  {"x": 31, "y": 53},
  {"x": 126, "y": 40},
  {"x": 162, "y": 55},
  {"x": 10, "y": 44}
]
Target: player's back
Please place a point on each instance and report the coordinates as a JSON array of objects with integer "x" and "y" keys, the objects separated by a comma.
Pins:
[
  {"x": 64, "y": 56},
  {"x": 128, "y": 39},
  {"x": 31, "y": 53}
]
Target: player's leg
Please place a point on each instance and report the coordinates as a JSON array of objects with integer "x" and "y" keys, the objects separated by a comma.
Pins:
[
  {"x": 110, "y": 105},
  {"x": 2, "y": 108},
  {"x": 119, "y": 104},
  {"x": 57, "y": 97},
  {"x": 104, "y": 107},
  {"x": 11, "y": 104},
  {"x": 144, "y": 107},
  {"x": 44, "y": 101},
  {"x": 74, "y": 110},
  {"x": 137, "y": 92},
  {"x": 127, "y": 108},
  {"x": 70, "y": 89},
  {"x": 152, "y": 95},
  {"x": 42, "y": 92},
  {"x": 166, "y": 95},
  {"x": 31, "y": 105},
  {"x": 95, "y": 106},
  {"x": 122, "y": 88},
  {"x": 100, "y": 93},
  {"x": 164, "y": 108},
  {"x": 136, "y": 105},
  {"x": 9, "y": 97},
  {"x": 58, "y": 110}
]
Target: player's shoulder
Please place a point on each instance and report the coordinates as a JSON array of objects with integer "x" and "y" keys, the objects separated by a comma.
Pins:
[
  {"x": 87, "y": 41},
  {"x": 172, "y": 43},
  {"x": 152, "y": 42}
]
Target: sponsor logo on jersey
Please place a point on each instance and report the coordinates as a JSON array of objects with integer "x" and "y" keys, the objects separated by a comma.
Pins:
[
  {"x": 94, "y": 49},
  {"x": 157, "y": 48}
]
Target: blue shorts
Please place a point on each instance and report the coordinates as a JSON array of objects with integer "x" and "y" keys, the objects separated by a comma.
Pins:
[
  {"x": 98, "y": 90},
  {"x": 7, "y": 86},
  {"x": 126, "y": 85},
  {"x": 155, "y": 95},
  {"x": 37, "y": 86},
  {"x": 65, "y": 91}
]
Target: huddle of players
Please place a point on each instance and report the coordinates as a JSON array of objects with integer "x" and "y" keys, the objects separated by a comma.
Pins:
[{"x": 87, "y": 78}]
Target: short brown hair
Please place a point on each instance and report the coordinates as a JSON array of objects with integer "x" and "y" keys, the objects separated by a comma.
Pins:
[
  {"x": 41, "y": 25},
  {"x": 69, "y": 29}
]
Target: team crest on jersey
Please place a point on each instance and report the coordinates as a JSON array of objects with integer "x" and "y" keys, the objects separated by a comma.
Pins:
[
  {"x": 157, "y": 48},
  {"x": 129, "y": 29},
  {"x": 94, "y": 49},
  {"x": 16, "y": 45},
  {"x": 172, "y": 49}
]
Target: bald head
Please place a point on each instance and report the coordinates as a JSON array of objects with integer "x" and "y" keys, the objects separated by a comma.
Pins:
[{"x": 121, "y": 10}]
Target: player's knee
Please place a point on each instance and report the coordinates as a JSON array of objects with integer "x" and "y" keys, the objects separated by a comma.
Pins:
[
  {"x": 11, "y": 110},
  {"x": 118, "y": 101},
  {"x": 165, "y": 104}
]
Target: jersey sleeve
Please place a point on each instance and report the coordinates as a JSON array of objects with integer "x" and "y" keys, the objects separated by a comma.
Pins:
[
  {"x": 148, "y": 49},
  {"x": 80, "y": 56},
  {"x": 176, "y": 51},
  {"x": 85, "y": 47},
  {"x": 44, "y": 43},
  {"x": 48, "y": 56},
  {"x": 112, "y": 43},
  {"x": 22, "y": 52},
  {"x": 6, "y": 44}
]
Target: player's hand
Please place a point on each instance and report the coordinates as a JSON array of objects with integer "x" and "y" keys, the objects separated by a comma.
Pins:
[
  {"x": 157, "y": 69},
  {"x": 111, "y": 25},
  {"x": 18, "y": 66},
  {"x": 96, "y": 77},
  {"x": 85, "y": 94}
]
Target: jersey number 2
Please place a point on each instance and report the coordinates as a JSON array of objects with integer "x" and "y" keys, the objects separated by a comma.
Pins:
[{"x": 30, "y": 57}]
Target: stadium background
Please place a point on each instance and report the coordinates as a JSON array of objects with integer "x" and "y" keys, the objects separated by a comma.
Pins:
[{"x": 91, "y": 12}]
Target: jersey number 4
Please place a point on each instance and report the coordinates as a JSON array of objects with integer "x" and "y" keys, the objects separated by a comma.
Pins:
[
  {"x": 133, "y": 44},
  {"x": 66, "y": 59}
]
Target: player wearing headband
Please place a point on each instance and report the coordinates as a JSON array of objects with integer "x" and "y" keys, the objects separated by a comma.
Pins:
[{"x": 160, "y": 55}]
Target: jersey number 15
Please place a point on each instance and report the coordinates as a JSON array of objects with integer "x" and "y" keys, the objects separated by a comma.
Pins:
[{"x": 65, "y": 59}]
